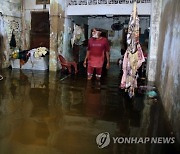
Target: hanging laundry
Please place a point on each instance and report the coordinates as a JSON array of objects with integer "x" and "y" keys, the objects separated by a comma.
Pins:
[
  {"x": 13, "y": 40},
  {"x": 78, "y": 36},
  {"x": 133, "y": 57}
]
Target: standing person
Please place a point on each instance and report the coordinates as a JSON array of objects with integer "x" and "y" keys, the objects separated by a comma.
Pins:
[{"x": 98, "y": 48}]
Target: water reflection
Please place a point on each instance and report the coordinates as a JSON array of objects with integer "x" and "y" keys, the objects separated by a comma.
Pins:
[
  {"x": 94, "y": 101},
  {"x": 41, "y": 113}
]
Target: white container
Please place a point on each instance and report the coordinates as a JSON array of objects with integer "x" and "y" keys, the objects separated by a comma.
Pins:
[
  {"x": 15, "y": 63},
  {"x": 41, "y": 63}
]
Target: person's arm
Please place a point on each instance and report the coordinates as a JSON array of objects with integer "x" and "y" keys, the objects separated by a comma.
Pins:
[
  {"x": 87, "y": 54},
  {"x": 86, "y": 58},
  {"x": 107, "y": 54},
  {"x": 108, "y": 60}
]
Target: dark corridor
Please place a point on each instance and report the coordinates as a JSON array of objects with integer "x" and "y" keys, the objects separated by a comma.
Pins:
[{"x": 40, "y": 30}]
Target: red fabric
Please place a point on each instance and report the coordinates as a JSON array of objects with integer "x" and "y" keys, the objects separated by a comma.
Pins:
[
  {"x": 145, "y": 55},
  {"x": 91, "y": 70},
  {"x": 97, "y": 49}
]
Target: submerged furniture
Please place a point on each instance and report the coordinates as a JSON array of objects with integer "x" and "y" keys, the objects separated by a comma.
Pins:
[{"x": 67, "y": 65}]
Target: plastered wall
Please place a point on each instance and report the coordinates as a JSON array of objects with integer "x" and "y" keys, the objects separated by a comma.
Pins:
[
  {"x": 10, "y": 20},
  {"x": 168, "y": 68}
]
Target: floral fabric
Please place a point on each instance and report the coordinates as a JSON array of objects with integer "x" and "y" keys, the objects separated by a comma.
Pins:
[{"x": 133, "y": 57}]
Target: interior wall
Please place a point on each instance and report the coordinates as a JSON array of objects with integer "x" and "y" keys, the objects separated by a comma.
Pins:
[
  {"x": 168, "y": 68},
  {"x": 103, "y": 9},
  {"x": 10, "y": 20}
]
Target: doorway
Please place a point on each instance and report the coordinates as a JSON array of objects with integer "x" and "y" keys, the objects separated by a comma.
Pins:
[{"x": 40, "y": 30}]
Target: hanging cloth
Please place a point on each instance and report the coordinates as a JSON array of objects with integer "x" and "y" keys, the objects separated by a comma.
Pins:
[
  {"x": 13, "y": 40},
  {"x": 78, "y": 37},
  {"x": 133, "y": 57}
]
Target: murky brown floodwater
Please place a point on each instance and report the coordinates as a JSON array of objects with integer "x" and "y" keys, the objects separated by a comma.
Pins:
[{"x": 44, "y": 113}]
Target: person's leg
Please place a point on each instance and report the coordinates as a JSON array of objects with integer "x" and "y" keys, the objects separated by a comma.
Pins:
[
  {"x": 74, "y": 64},
  {"x": 90, "y": 72},
  {"x": 76, "y": 53},
  {"x": 98, "y": 73}
]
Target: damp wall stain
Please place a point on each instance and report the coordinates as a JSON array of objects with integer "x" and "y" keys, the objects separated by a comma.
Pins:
[
  {"x": 10, "y": 20},
  {"x": 154, "y": 35},
  {"x": 56, "y": 32},
  {"x": 168, "y": 69}
]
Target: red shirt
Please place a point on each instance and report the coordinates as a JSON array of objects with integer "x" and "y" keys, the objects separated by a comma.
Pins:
[{"x": 97, "y": 49}]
